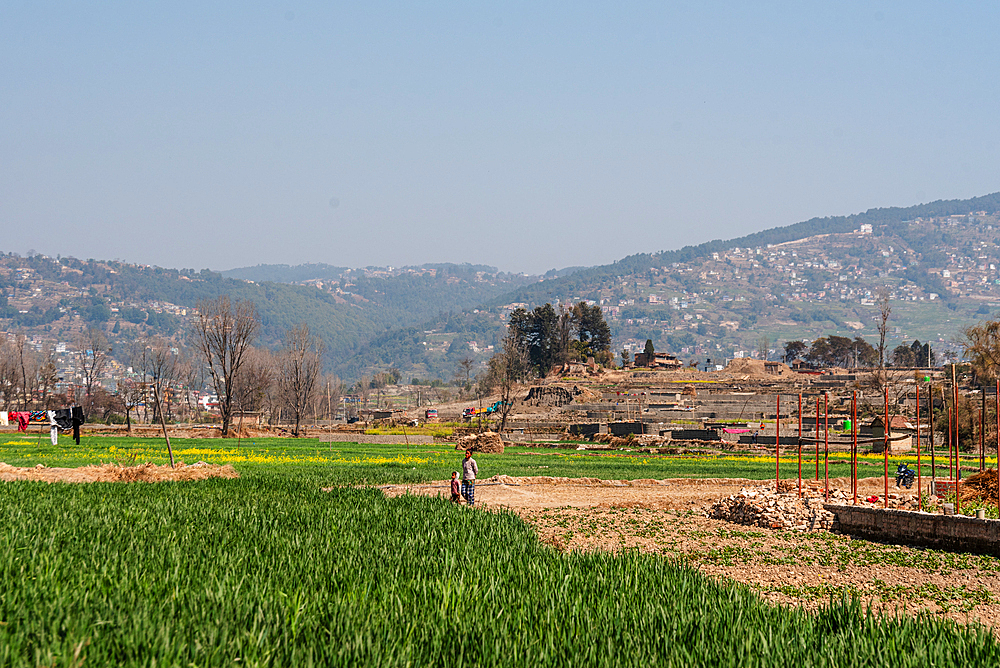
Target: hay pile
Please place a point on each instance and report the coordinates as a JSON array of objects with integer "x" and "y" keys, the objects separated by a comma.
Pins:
[
  {"x": 488, "y": 442},
  {"x": 115, "y": 473},
  {"x": 980, "y": 487}
]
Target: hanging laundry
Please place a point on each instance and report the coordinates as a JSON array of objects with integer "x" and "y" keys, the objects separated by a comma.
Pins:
[
  {"x": 38, "y": 416},
  {"x": 64, "y": 418},
  {"x": 78, "y": 419},
  {"x": 54, "y": 435},
  {"x": 3, "y": 419},
  {"x": 21, "y": 417}
]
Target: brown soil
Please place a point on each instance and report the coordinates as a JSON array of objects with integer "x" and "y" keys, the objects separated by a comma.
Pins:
[
  {"x": 668, "y": 517},
  {"x": 114, "y": 473}
]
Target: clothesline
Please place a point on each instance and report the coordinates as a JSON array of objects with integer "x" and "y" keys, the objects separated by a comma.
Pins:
[{"x": 64, "y": 419}]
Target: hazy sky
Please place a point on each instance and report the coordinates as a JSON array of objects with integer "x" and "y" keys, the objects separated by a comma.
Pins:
[{"x": 525, "y": 135}]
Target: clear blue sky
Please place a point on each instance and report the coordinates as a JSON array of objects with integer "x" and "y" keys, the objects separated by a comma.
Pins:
[{"x": 525, "y": 135}]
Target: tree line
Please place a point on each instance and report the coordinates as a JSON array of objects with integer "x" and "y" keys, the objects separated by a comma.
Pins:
[
  {"x": 223, "y": 356},
  {"x": 540, "y": 339},
  {"x": 843, "y": 351}
]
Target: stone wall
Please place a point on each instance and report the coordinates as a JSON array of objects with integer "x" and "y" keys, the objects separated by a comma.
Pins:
[
  {"x": 950, "y": 532},
  {"x": 348, "y": 437}
]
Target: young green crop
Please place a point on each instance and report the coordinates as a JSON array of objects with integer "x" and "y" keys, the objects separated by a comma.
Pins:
[
  {"x": 399, "y": 463},
  {"x": 270, "y": 570}
]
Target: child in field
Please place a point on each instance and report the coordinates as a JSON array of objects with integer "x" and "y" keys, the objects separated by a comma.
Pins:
[{"x": 454, "y": 487}]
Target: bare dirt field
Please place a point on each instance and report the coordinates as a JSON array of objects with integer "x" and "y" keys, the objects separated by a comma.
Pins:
[
  {"x": 789, "y": 567},
  {"x": 115, "y": 473}
]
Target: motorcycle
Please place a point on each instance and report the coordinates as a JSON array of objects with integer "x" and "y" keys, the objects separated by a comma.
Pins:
[{"x": 905, "y": 476}]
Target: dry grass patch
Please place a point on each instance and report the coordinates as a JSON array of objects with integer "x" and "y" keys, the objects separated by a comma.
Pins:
[{"x": 114, "y": 473}]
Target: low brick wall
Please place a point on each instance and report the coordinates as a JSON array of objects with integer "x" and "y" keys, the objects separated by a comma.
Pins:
[
  {"x": 348, "y": 437},
  {"x": 949, "y": 532}
]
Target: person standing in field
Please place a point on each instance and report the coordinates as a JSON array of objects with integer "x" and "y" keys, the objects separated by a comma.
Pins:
[
  {"x": 454, "y": 487},
  {"x": 469, "y": 471}
]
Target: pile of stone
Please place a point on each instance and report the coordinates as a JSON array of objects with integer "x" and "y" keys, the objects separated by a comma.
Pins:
[
  {"x": 784, "y": 509},
  {"x": 762, "y": 507},
  {"x": 488, "y": 442}
]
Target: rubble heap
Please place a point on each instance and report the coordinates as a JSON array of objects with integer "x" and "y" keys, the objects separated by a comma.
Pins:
[
  {"x": 762, "y": 507},
  {"x": 488, "y": 441},
  {"x": 632, "y": 440},
  {"x": 784, "y": 509}
]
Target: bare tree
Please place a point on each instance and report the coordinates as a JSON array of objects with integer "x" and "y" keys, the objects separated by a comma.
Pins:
[
  {"x": 255, "y": 383},
  {"x": 224, "y": 332},
  {"x": 506, "y": 370},
  {"x": 365, "y": 389},
  {"x": 192, "y": 374},
  {"x": 92, "y": 352},
  {"x": 884, "y": 311},
  {"x": 298, "y": 371},
  {"x": 130, "y": 394},
  {"x": 464, "y": 371},
  {"x": 47, "y": 376},
  {"x": 763, "y": 347},
  {"x": 23, "y": 361},
  {"x": 9, "y": 374},
  {"x": 157, "y": 362},
  {"x": 333, "y": 387},
  {"x": 982, "y": 345}
]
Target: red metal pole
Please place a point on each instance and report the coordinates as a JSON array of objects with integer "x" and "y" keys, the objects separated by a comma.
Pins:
[
  {"x": 950, "y": 463},
  {"x": 854, "y": 442},
  {"x": 817, "y": 439},
  {"x": 982, "y": 430},
  {"x": 826, "y": 447},
  {"x": 930, "y": 415},
  {"x": 800, "y": 444},
  {"x": 958, "y": 457},
  {"x": 920, "y": 501},
  {"x": 885, "y": 501},
  {"x": 777, "y": 436}
]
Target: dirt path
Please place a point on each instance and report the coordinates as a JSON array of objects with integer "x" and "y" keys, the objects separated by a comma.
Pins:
[{"x": 667, "y": 517}]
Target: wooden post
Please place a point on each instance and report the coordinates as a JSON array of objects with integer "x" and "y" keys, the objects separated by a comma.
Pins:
[{"x": 156, "y": 397}]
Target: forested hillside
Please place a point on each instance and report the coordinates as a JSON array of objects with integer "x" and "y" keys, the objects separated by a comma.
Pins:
[
  {"x": 357, "y": 318},
  {"x": 744, "y": 296}
]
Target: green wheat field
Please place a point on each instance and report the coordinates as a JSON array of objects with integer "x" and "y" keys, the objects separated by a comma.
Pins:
[{"x": 270, "y": 570}]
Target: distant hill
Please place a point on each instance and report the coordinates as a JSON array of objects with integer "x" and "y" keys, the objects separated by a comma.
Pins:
[
  {"x": 717, "y": 299},
  {"x": 283, "y": 273},
  {"x": 51, "y": 298},
  {"x": 312, "y": 272},
  {"x": 890, "y": 218}
]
